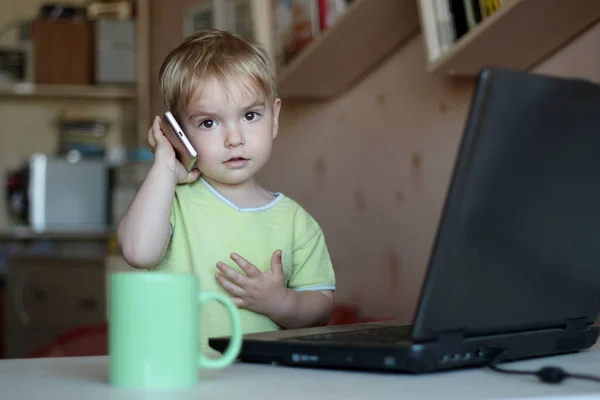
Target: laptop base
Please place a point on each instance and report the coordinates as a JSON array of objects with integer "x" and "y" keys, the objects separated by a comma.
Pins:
[{"x": 406, "y": 356}]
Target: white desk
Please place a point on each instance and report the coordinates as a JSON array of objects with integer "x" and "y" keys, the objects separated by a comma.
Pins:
[{"x": 86, "y": 378}]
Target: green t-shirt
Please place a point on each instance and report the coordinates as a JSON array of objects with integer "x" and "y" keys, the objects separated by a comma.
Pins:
[{"x": 206, "y": 228}]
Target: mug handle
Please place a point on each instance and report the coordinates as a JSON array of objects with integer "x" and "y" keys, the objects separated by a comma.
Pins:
[{"x": 235, "y": 343}]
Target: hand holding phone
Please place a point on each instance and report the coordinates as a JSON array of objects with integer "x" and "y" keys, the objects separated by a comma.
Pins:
[{"x": 184, "y": 151}]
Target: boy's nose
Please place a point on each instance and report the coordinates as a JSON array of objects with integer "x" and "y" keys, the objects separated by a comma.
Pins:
[{"x": 234, "y": 138}]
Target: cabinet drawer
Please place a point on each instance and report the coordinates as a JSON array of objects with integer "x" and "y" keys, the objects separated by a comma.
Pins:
[
  {"x": 50, "y": 295},
  {"x": 57, "y": 292}
]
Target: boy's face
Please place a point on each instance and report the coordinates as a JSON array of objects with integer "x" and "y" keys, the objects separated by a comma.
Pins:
[{"x": 231, "y": 129}]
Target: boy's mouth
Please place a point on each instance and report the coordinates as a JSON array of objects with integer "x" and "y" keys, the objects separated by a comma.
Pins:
[
  {"x": 236, "y": 162},
  {"x": 234, "y": 159}
]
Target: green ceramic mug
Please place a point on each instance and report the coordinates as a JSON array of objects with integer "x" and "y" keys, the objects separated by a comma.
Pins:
[{"x": 154, "y": 330}]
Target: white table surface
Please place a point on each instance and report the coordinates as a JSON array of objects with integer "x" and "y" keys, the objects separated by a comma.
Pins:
[{"x": 86, "y": 378}]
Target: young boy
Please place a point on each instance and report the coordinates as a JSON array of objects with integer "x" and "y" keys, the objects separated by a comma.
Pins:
[{"x": 217, "y": 222}]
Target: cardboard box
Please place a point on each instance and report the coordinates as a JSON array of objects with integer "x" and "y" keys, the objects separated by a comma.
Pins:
[
  {"x": 63, "y": 51},
  {"x": 115, "y": 50}
]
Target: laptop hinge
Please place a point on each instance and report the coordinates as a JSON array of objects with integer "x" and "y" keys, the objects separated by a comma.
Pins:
[
  {"x": 450, "y": 337},
  {"x": 576, "y": 324}
]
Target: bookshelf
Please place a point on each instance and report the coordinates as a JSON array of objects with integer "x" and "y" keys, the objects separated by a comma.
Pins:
[
  {"x": 67, "y": 91},
  {"x": 366, "y": 33},
  {"x": 143, "y": 70},
  {"x": 519, "y": 35}
]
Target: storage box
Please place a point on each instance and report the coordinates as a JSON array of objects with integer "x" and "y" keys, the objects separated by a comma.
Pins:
[
  {"x": 63, "y": 51},
  {"x": 115, "y": 51},
  {"x": 16, "y": 63}
]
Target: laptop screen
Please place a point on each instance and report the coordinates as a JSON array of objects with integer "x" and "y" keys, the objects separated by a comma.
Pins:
[{"x": 518, "y": 246}]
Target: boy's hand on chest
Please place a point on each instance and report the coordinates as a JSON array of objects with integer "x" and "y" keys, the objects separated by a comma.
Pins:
[{"x": 261, "y": 292}]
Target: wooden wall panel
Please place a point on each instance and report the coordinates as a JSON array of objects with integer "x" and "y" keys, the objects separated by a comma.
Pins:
[{"x": 373, "y": 167}]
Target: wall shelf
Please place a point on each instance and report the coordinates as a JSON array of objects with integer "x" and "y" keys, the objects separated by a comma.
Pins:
[
  {"x": 26, "y": 233},
  {"x": 519, "y": 35},
  {"x": 70, "y": 91},
  {"x": 367, "y": 32}
]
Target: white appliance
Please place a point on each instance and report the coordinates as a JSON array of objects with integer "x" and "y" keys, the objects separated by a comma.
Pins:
[{"x": 67, "y": 195}]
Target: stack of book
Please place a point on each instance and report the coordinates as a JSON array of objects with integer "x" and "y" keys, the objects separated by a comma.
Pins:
[{"x": 82, "y": 138}]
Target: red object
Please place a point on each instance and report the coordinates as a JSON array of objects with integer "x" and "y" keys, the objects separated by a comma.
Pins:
[
  {"x": 344, "y": 315},
  {"x": 323, "y": 9},
  {"x": 93, "y": 340},
  {"x": 80, "y": 342}
]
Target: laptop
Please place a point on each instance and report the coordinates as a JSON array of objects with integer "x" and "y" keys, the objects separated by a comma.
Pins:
[{"x": 515, "y": 263}]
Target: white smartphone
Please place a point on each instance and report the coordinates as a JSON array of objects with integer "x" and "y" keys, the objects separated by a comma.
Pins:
[{"x": 186, "y": 154}]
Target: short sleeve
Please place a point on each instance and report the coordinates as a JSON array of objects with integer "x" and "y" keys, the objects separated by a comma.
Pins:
[
  {"x": 174, "y": 257},
  {"x": 167, "y": 258},
  {"x": 172, "y": 221},
  {"x": 173, "y": 214},
  {"x": 312, "y": 268}
]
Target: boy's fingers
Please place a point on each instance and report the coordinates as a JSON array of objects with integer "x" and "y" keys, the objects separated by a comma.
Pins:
[
  {"x": 193, "y": 175},
  {"x": 157, "y": 132},
  {"x": 276, "y": 264},
  {"x": 246, "y": 266},
  {"x": 232, "y": 275},
  {"x": 239, "y": 302},
  {"x": 151, "y": 140},
  {"x": 230, "y": 286}
]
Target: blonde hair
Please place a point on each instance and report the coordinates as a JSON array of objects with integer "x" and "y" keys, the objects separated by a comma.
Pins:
[{"x": 214, "y": 54}]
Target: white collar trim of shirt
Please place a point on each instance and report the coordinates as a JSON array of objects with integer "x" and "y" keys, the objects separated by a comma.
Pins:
[{"x": 277, "y": 199}]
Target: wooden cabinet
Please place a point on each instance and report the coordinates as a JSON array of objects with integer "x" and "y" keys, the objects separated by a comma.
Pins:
[
  {"x": 47, "y": 296},
  {"x": 63, "y": 51}
]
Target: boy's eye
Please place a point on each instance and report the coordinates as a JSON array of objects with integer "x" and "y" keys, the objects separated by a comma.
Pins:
[
  {"x": 207, "y": 124},
  {"x": 251, "y": 116}
]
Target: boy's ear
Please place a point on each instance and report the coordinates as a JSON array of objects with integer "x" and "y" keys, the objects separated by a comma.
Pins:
[{"x": 276, "y": 108}]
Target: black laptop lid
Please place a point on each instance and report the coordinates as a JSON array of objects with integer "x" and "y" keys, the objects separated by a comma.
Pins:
[{"x": 518, "y": 246}]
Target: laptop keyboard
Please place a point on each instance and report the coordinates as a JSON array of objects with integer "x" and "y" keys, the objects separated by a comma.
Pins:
[{"x": 391, "y": 334}]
